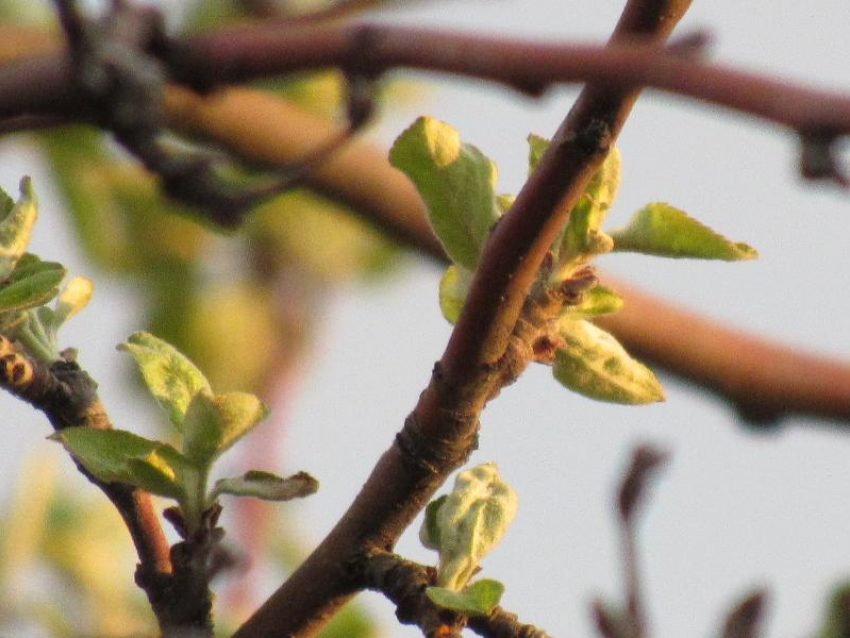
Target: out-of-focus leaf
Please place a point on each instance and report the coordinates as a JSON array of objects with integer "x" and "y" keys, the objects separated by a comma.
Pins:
[{"x": 454, "y": 287}]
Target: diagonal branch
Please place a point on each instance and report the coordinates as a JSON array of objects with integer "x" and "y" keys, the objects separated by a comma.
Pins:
[{"x": 441, "y": 431}]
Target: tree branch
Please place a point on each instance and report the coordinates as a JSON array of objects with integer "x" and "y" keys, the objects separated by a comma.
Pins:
[
  {"x": 441, "y": 431},
  {"x": 68, "y": 396}
]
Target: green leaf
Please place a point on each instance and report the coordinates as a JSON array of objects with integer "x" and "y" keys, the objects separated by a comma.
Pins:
[
  {"x": 456, "y": 181},
  {"x": 34, "y": 286},
  {"x": 119, "y": 456},
  {"x": 659, "y": 229},
  {"x": 454, "y": 287},
  {"x": 267, "y": 486},
  {"x": 836, "y": 624},
  {"x": 170, "y": 376},
  {"x": 16, "y": 222},
  {"x": 593, "y": 363},
  {"x": 536, "y": 147},
  {"x": 429, "y": 533},
  {"x": 476, "y": 599},
  {"x": 214, "y": 423}
]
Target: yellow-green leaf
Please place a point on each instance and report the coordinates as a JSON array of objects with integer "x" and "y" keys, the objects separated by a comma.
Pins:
[
  {"x": 16, "y": 222},
  {"x": 214, "y": 423},
  {"x": 267, "y": 486},
  {"x": 455, "y": 180},
  {"x": 477, "y": 599},
  {"x": 454, "y": 287},
  {"x": 660, "y": 229}
]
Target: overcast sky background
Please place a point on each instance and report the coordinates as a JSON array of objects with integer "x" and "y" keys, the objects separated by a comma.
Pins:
[{"x": 733, "y": 510}]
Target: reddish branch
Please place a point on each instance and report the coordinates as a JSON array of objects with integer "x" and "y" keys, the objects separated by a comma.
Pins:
[
  {"x": 43, "y": 84},
  {"x": 440, "y": 433}
]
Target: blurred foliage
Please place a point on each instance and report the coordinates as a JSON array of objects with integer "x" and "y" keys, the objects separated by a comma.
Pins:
[{"x": 241, "y": 306}]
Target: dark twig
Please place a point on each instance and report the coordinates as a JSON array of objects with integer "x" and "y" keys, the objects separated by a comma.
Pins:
[
  {"x": 645, "y": 460},
  {"x": 744, "y": 621},
  {"x": 404, "y": 582}
]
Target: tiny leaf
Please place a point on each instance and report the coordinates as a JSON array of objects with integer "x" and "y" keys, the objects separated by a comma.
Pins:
[
  {"x": 582, "y": 235},
  {"x": 267, "y": 486},
  {"x": 120, "y": 456},
  {"x": 593, "y": 363},
  {"x": 429, "y": 533},
  {"x": 477, "y": 599},
  {"x": 456, "y": 181},
  {"x": 170, "y": 376},
  {"x": 213, "y": 424},
  {"x": 596, "y": 302},
  {"x": 454, "y": 287},
  {"x": 659, "y": 229},
  {"x": 74, "y": 297},
  {"x": 16, "y": 226}
]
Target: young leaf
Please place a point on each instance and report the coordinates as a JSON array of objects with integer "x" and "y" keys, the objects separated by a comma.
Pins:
[
  {"x": 429, "y": 533},
  {"x": 470, "y": 523},
  {"x": 476, "y": 599},
  {"x": 267, "y": 486},
  {"x": 119, "y": 456},
  {"x": 593, "y": 363},
  {"x": 170, "y": 376},
  {"x": 34, "y": 287},
  {"x": 454, "y": 286},
  {"x": 74, "y": 297},
  {"x": 596, "y": 302},
  {"x": 16, "y": 222},
  {"x": 214, "y": 423},
  {"x": 456, "y": 181},
  {"x": 582, "y": 235},
  {"x": 659, "y": 229}
]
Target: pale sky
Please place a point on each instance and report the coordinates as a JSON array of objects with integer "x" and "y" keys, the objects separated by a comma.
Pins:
[{"x": 732, "y": 510}]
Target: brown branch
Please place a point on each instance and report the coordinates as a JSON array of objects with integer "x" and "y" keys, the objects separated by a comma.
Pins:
[
  {"x": 68, "y": 396},
  {"x": 43, "y": 84},
  {"x": 440, "y": 433}
]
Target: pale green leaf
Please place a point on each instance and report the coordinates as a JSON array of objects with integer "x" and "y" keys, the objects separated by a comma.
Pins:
[
  {"x": 16, "y": 226},
  {"x": 593, "y": 363},
  {"x": 214, "y": 423},
  {"x": 471, "y": 521},
  {"x": 659, "y": 229},
  {"x": 454, "y": 286},
  {"x": 124, "y": 457},
  {"x": 267, "y": 486},
  {"x": 477, "y": 599},
  {"x": 455, "y": 180},
  {"x": 170, "y": 376}
]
